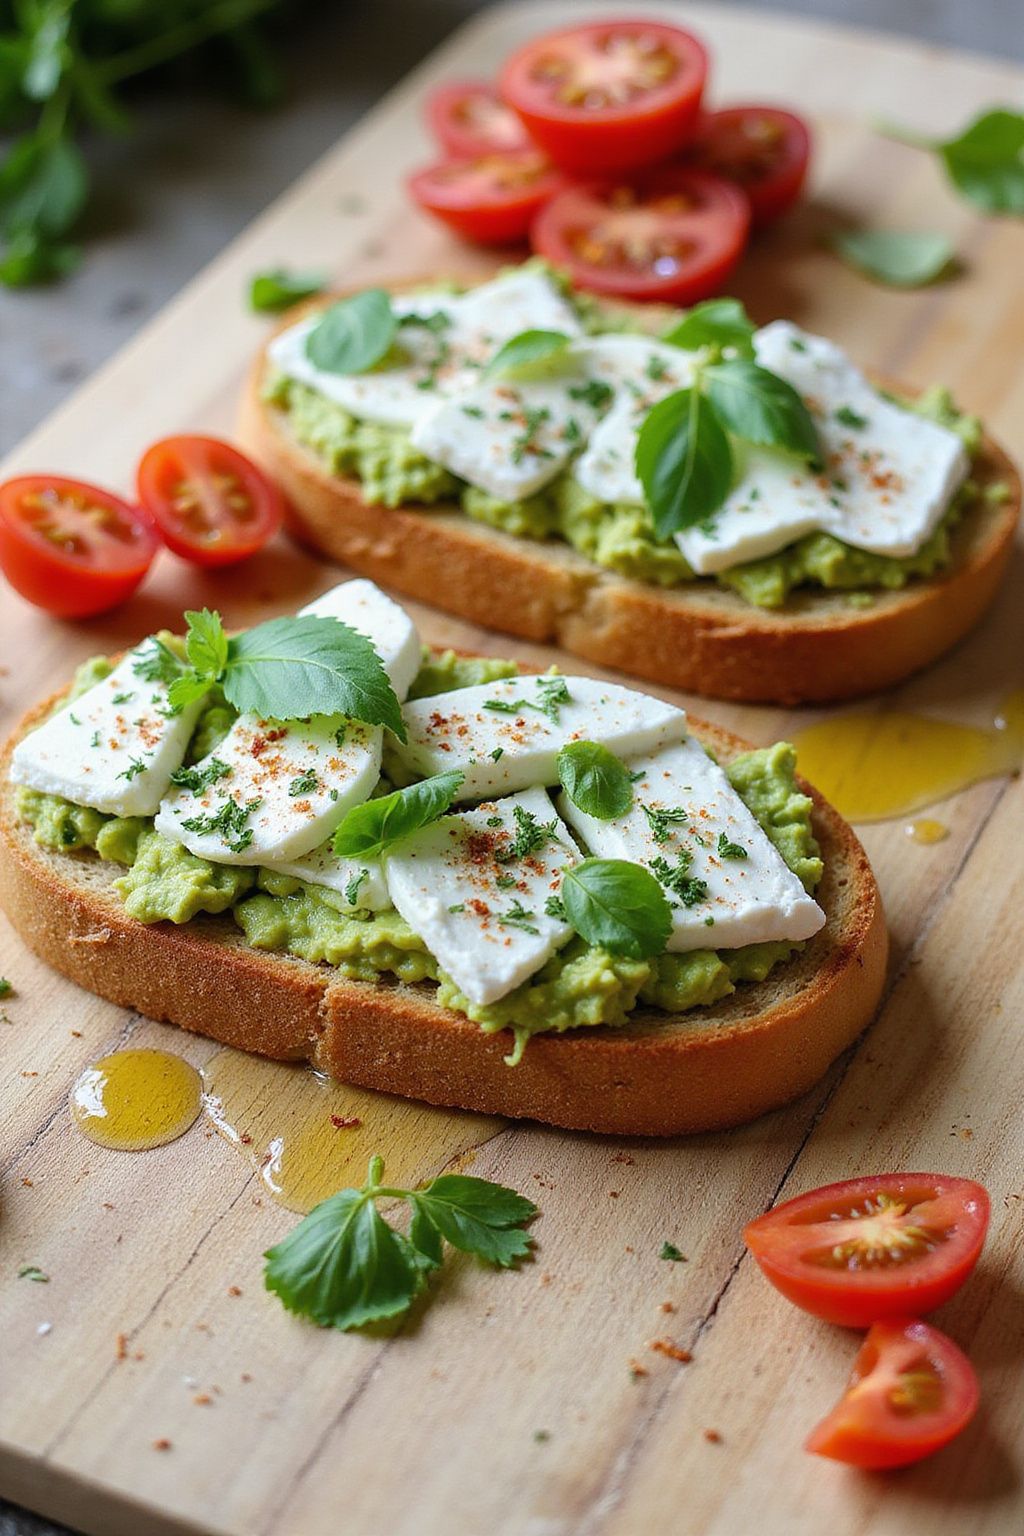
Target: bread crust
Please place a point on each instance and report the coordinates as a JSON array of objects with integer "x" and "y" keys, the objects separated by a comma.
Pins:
[
  {"x": 658, "y": 1075},
  {"x": 699, "y": 637}
]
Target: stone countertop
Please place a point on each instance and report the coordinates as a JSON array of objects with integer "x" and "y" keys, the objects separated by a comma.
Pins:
[{"x": 192, "y": 174}]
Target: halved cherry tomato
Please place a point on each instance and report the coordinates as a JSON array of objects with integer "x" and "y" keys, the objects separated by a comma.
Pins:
[
  {"x": 211, "y": 504},
  {"x": 490, "y": 198},
  {"x": 894, "y": 1245},
  {"x": 469, "y": 118},
  {"x": 764, "y": 150},
  {"x": 608, "y": 96},
  {"x": 675, "y": 235},
  {"x": 910, "y": 1392},
  {"x": 70, "y": 547}
]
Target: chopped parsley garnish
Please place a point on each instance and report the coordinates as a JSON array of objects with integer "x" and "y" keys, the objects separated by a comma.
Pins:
[
  {"x": 505, "y": 882},
  {"x": 460, "y": 906},
  {"x": 474, "y": 411},
  {"x": 495, "y": 821},
  {"x": 553, "y": 693},
  {"x": 229, "y": 822},
  {"x": 305, "y": 784},
  {"x": 339, "y": 735},
  {"x": 661, "y": 819},
  {"x": 198, "y": 779},
  {"x": 675, "y": 877},
  {"x": 727, "y": 850},
  {"x": 555, "y": 907},
  {"x": 135, "y": 767},
  {"x": 534, "y": 417},
  {"x": 157, "y": 665},
  {"x": 95, "y": 739},
  {"x": 33, "y": 1272},
  {"x": 437, "y": 320},
  {"x": 122, "y": 698},
  {"x": 73, "y": 717},
  {"x": 497, "y": 754},
  {"x": 352, "y": 887},
  {"x": 530, "y": 835},
  {"x": 796, "y": 345},
  {"x": 670, "y": 1251},
  {"x": 572, "y": 431},
  {"x": 6, "y": 987},
  {"x": 640, "y": 773},
  {"x": 594, "y": 393},
  {"x": 656, "y": 368},
  {"x": 847, "y": 417},
  {"x": 519, "y": 917}
]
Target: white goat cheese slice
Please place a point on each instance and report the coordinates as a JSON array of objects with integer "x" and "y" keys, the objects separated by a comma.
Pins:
[
  {"x": 889, "y": 475},
  {"x": 505, "y": 735},
  {"x": 642, "y": 371},
  {"x": 360, "y": 882},
  {"x": 430, "y": 359},
  {"x": 112, "y": 749},
  {"x": 286, "y": 786},
  {"x": 687, "y": 818},
  {"x": 477, "y": 905},
  {"x": 363, "y": 606}
]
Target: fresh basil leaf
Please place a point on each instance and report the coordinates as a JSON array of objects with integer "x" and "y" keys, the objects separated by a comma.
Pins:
[
  {"x": 186, "y": 689},
  {"x": 898, "y": 258},
  {"x": 206, "y": 644},
  {"x": 525, "y": 352},
  {"x": 595, "y": 779},
  {"x": 353, "y": 334},
  {"x": 986, "y": 161},
  {"x": 49, "y": 51},
  {"x": 343, "y": 1266},
  {"x": 715, "y": 323},
  {"x": 683, "y": 461},
  {"x": 368, "y": 829},
  {"x": 760, "y": 407},
  {"x": 291, "y": 668},
  {"x": 270, "y": 292},
  {"x": 476, "y": 1216},
  {"x": 617, "y": 906}
]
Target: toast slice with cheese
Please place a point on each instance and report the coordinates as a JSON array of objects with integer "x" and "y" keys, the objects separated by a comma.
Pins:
[
  {"x": 697, "y": 635},
  {"x": 658, "y": 1074}
]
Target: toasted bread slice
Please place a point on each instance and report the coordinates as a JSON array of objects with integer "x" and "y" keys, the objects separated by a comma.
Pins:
[
  {"x": 699, "y": 636},
  {"x": 658, "y": 1075}
]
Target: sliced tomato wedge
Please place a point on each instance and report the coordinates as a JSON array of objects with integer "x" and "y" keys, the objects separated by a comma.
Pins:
[
  {"x": 608, "y": 96},
  {"x": 211, "y": 504},
  {"x": 469, "y": 118},
  {"x": 675, "y": 235},
  {"x": 765, "y": 150},
  {"x": 490, "y": 198},
  {"x": 912, "y": 1390},
  {"x": 70, "y": 547},
  {"x": 891, "y": 1246}
]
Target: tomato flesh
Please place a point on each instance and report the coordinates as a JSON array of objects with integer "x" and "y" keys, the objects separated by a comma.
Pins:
[
  {"x": 490, "y": 198},
  {"x": 765, "y": 150},
  {"x": 71, "y": 547},
  {"x": 911, "y": 1391},
  {"x": 676, "y": 235},
  {"x": 873, "y": 1249},
  {"x": 211, "y": 504},
  {"x": 469, "y": 118},
  {"x": 608, "y": 96}
]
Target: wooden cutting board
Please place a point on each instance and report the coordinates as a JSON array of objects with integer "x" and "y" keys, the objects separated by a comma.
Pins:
[{"x": 510, "y": 1404}]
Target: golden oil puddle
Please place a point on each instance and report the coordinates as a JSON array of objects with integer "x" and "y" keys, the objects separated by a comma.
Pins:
[
  {"x": 876, "y": 766},
  {"x": 926, "y": 831},
  {"x": 135, "y": 1099},
  {"x": 308, "y": 1136}
]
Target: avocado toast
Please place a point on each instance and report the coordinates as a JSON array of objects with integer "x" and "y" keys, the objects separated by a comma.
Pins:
[
  {"x": 796, "y": 613},
  {"x": 445, "y": 960}
]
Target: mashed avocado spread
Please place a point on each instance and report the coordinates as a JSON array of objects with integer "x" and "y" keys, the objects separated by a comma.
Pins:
[
  {"x": 580, "y": 985},
  {"x": 619, "y": 537}
]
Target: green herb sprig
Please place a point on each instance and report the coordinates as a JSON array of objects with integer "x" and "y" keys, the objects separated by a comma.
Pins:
[
  {"x": 287, "y": 669},
  {"x": 345, "y": 1267},
  {"x": 684, "y": 458}
]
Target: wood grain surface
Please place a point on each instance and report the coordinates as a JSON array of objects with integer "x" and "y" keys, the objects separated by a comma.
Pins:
[{"x": 510, "y": 1405}]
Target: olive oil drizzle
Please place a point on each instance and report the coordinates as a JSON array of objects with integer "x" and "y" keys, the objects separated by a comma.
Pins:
[{"x": 132, "y": 1100}]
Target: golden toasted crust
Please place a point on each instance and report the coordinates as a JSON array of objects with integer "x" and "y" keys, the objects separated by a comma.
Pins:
[
  {"x": 658, "y": 1075},
  {"x": 700, "y": 637}
]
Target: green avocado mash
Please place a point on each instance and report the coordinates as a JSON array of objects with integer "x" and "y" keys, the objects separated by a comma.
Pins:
[
  {"x": 580, "y": 985},
  {"x": 619, "y": 537}
]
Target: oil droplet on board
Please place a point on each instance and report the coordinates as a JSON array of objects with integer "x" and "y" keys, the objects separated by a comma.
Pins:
[
  {"x": 926, "y": 831},
  {"x": 308, "y": 1136},
  {"x": 878, "y": 765},
  {"x": 135, "y": 1099}
]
